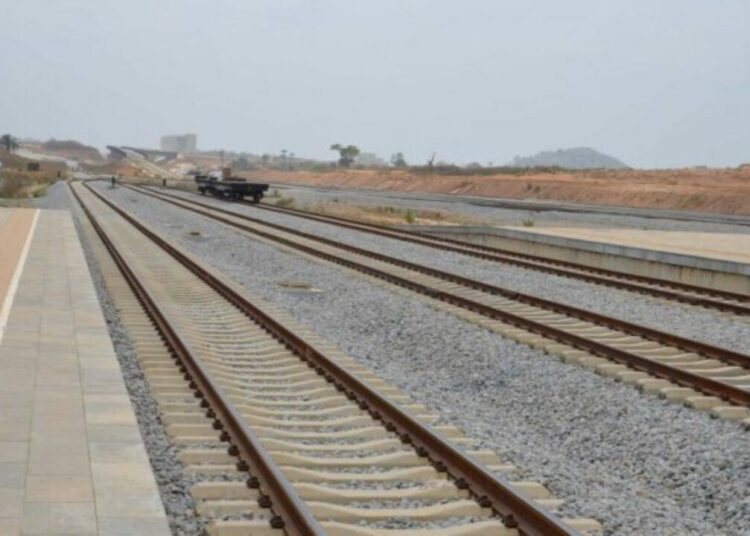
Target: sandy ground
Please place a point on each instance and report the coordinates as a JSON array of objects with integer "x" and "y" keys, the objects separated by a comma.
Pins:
[{"x": 709, "y": 190}]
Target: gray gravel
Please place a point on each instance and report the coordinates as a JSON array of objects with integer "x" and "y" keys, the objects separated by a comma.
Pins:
[
  {"x": 685, "y": 320},
  {"x": 638, "y": 464},
  {"x": 55, "y": 198},
  {"x": 174, "y": 484},
  {"x": 502, "y": 216}
]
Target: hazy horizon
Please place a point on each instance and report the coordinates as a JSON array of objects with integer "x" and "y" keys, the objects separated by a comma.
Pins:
[{"x": 662, "y": 84}]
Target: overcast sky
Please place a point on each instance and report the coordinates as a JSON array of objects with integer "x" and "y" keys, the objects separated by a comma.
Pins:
[{"x": 656, "y": 83}]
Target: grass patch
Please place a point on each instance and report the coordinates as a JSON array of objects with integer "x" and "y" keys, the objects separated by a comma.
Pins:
[
  {"x": 285, "y": 202},
  {"x": 383, "y": 214},
  {"x": 16, "y": 186},
  {"x": 528, "y": 223},
  {"x": 410, "y": 216},
  {"x": 694, "y": 201},
  {"x": 322, "y": 167},
  {"x": 12, "y": 187}
]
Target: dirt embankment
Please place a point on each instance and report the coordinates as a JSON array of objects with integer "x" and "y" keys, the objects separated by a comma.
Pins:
[
  {"x": 18, "y": 182},
  {"x": 709, "y": 190}
]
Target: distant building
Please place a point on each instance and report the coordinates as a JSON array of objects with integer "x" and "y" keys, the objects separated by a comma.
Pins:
[{"x": 179, "y": 143}]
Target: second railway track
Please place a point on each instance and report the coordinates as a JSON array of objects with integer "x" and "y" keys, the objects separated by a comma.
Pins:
[
  {"x": 701, "y": 375},
  {"x": 317, "y": 444},
  {"x": 719, "y": 300}
]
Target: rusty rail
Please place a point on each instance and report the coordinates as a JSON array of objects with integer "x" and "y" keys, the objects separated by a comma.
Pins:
[
  {"x": 612, "y": 278},
  {"x": 489, "y": 490},
  {"x": 291, "y": 512},
  {"x": 707, "y": 385}
]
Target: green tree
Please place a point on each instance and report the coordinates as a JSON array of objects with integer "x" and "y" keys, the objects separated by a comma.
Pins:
[
  {"x": 9, "y": 142},
  {"x": 397, "y": 160},
  {"x": 347, "y": 154}
]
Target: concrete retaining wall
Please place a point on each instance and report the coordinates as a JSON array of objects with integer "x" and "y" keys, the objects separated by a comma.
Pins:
[{"x": 701, "y": 271}]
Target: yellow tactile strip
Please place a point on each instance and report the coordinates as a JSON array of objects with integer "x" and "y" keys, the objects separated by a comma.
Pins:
[
  {"x": 72, "y": 460},
  {"x": 15, "y": 225},
  {"x": 5, "y": 214}
]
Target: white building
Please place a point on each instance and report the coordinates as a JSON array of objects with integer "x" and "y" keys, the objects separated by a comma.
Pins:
[{"x": 179, "y": 143}]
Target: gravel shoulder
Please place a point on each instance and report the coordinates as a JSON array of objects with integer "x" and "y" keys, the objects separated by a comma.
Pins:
[
  {"x": 638, "y": 464},
  {"x": 687, "y": 321}
]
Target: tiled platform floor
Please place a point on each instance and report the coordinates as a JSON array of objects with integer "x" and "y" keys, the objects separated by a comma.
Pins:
[{"x": 72, "y": 460}]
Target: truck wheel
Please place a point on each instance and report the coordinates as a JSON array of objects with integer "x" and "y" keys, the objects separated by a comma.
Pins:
[{"x": 257, "y": 198}]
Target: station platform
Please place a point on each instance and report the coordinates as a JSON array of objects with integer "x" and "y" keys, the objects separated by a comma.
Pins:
[
  {"x": 72, "y": 460},
  {"x": 731, "y": 247},
  {"x": 717, "y": 261}
]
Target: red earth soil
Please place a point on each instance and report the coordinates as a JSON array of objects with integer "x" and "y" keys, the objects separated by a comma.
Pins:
[{"x": 708, "y": 190}]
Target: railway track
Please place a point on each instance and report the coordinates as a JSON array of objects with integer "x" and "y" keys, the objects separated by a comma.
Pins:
[
  {"x": 282, "y": 431},
  {"x": 719, "y": 300},
  {"x": 698, "y": 374},
  {"x": 729, "y": 302}
]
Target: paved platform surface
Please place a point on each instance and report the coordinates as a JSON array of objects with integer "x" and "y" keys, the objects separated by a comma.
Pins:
[
  {"x": 720, "y": 246},
  {"x": 72, "y": 460}
]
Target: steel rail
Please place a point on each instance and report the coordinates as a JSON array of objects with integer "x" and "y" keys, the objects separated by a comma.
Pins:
[
  {"x": 490, "y": 491},
  {"x": 291, "y": 512},
  {"x": 611, "y": 278},
  {"x": 661, "y": 370},
  {"x": 708, "y": 350}
]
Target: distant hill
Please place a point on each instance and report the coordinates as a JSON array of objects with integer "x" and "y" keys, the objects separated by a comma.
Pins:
[
  {"x": 71, "y": 149},
  {"x": 575, "y": 158}
]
